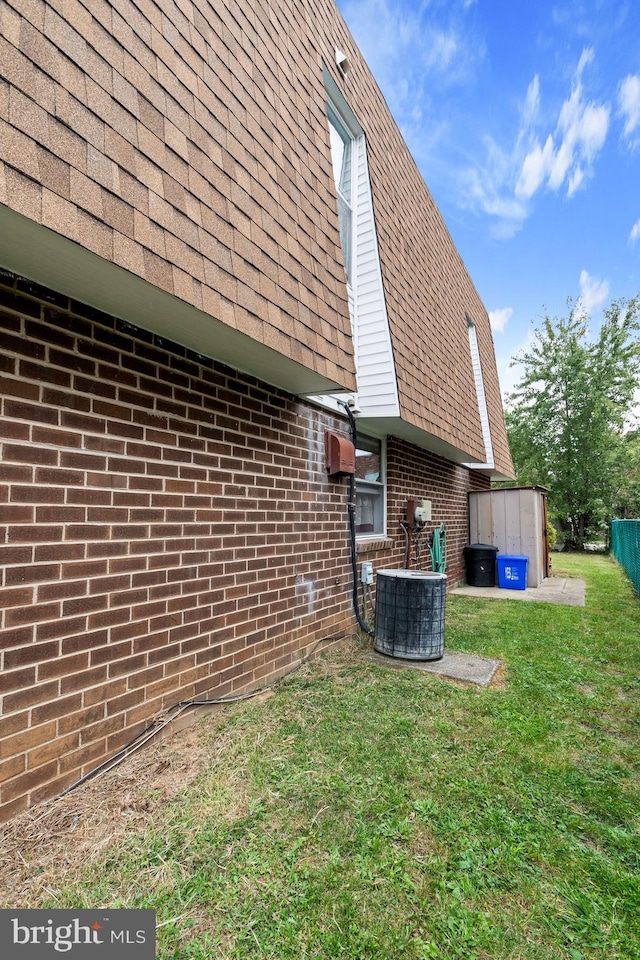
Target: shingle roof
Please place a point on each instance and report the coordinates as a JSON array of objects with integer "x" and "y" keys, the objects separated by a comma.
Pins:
[{"x": 188, "y": 143}]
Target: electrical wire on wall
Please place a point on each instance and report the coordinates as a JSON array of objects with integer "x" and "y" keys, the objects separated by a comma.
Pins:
[
  {"x": 406, "y": 529},
  {"x": 414, "y": 534},
  {"x": 352, "y": 525},
  {"x": 367, "y": 598},
  {"x": 413, "y": 537}
]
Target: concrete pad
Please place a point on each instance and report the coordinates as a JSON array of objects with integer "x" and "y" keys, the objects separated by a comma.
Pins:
[
  {"x": 569, "y": 591},
  {"x": 455, "y": 666}
]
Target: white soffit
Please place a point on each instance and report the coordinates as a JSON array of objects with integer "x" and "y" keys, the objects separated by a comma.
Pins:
[{"x": 39, "y": 254}]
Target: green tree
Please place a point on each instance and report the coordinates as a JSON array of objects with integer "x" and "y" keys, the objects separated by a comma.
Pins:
[
  {"x": 628, "y": 494},
  {"x": 568, "y": 416}
]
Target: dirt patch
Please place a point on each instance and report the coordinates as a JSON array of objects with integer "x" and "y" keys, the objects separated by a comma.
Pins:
[
  {"x": 499, "y": 680},
  {"x": 53, "y": 842}
]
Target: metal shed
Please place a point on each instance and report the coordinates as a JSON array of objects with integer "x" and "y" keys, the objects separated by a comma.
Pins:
[{"x": 514, "y": 519}]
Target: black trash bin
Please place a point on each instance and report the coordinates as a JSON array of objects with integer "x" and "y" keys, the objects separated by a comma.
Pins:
[{"x": 480, "y": 564}]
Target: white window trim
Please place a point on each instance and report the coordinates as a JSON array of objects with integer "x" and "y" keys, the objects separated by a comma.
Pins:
[{"x": 379, "y": 485}]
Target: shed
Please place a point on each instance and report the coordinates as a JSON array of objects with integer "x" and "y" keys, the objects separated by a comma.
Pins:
[{"x": 513, "y": 519}]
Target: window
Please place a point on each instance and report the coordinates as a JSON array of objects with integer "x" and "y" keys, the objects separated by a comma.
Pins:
[
  {"x": 341, "y": 156},
  {"x": 369, "y": 487}
]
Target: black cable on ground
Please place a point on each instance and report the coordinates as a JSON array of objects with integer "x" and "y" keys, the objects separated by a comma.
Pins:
[{"x": 154, "y": 728}]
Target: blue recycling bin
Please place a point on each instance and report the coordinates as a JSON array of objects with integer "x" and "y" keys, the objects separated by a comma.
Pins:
[{"x": 512, "y": 572}]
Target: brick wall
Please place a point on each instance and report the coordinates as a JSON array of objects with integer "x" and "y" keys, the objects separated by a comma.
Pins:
[
  {"x": 167, "y": 530},
  {"x": 417, "y": 474}
]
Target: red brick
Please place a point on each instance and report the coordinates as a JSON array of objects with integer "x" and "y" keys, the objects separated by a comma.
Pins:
[
  {"x": 11, "y": 768},
  {"x": 12, "y": 809},
  {"x": 53, "y": 788},
  {"x": 25, "y": 782},
  {"x": 233, "y": 512},
  {"x": 32, "y": 614},
  {"x": 14, "y": 431},
  {"x": 50, "y": 514},
  {"x": 81, "y": 719},
  {"x": 72, "y": 401},
  {"x": 58, "y": 551},
  {"x": 33, "y": 494},
  {"x": 11, "y": 387},
  {"x": 29, "y": 697},
  {"x": 16, "y": 637},
  {"x": 109, "y": 653},
  {"x": 53, "y": 476},
  {"x": 14, "y": 473},
  {"x": 34, "y": 653},
  {"x": 30, "y": 454},
  {"x": 23, "y": 740},
  {"x": 60, "y": 707},
  {"x": 15, "y": 597},
  {"x": 52, "y": 750},
  {"x": 63, "y": 666},
  {"x": 87, "y": 531},
  {"x": 63, "y": 627},
  {"x": 83, "y": 605},
  {"x": 59, "y": 438},
  {"x": 17, "y": 679},
  {"x": 83, "y": 680},
  {"x": 45, "y": 374},
  {"x": 84, "y": 760}
]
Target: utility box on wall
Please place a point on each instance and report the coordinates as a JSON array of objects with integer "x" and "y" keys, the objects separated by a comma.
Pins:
[
  {"x": 340, "y": 454},
  {"x": 513, "y": 519}
]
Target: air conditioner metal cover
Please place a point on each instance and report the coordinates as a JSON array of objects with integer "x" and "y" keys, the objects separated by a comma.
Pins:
[{"x": 410, "y": 610}]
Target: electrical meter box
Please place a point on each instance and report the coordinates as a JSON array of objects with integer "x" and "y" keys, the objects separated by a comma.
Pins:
[{"x": 418, "y": 511}]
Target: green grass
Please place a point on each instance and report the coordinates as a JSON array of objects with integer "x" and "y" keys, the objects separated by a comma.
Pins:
[{"x": 363, "y": 812}]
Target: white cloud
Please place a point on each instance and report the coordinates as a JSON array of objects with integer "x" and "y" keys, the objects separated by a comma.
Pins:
[
  {"x": 504, "y": 186},
  {"x": 535, "y": 167},
  {"x": 403, "y": 42},
  {"x": 531, "y": 107},
  {"x": 629, "y": 107},
  {"x": 635, "y": 232},
  {"x": 440, "y": 49},
  {"x": 593, "y": 292},
  {"x": 418, "y": 53},
  {"x": 568, "y": 154},
  {"x": 500, "y": 318}
]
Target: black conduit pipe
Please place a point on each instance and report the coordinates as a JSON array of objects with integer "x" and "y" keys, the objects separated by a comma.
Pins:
[{"x": 351, "y": 506}]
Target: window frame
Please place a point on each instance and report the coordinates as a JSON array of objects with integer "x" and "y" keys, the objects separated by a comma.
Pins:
[
  {"x": 377, "y": 488},
  {"x": 348, "y": 129}
]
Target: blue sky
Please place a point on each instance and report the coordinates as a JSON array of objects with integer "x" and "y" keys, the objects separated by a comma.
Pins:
[{"x": 524, "y": 118}]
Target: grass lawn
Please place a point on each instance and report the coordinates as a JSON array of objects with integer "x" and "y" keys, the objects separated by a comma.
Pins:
[{"x": 362, "y": 812}]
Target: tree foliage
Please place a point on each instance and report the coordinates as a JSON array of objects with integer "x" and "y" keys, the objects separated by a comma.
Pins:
[{"x": 569, "y": 416}]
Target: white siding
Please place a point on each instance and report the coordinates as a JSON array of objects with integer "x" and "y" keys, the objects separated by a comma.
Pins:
[
  {"x": 482, "y": 400},
  {"x": 480, "y": 394},
  {"x": 377, "y": 384}
]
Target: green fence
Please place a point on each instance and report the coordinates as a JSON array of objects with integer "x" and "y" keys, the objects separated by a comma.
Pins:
[{"x": 625, "y": 546}]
